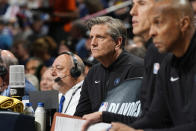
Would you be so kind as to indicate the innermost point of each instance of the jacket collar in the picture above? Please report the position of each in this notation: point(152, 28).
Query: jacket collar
point(121, 58)
point(188, 59)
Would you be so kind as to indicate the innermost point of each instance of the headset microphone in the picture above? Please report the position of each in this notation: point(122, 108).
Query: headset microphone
point(59, 78)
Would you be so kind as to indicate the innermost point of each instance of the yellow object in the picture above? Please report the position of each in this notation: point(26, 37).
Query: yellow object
point(11, 103)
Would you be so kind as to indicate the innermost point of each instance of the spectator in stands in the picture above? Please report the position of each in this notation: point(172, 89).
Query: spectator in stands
point(47, 80)
point(33, 80)
point(6, 39)
point(44, 48)
point(40, 70)
point(83, 10)
point(108, 36)
point(37, 29)
point(63, 12)
point(78, 34)
point(7, 59)
point(68, 71)
point(21, 50)
point(32, 65)
point(175, 87)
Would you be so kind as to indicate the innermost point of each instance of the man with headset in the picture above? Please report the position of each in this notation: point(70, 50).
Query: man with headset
point(68, 71)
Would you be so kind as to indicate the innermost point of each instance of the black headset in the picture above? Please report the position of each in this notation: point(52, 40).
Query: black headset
point(74, 71)
point(3, 70)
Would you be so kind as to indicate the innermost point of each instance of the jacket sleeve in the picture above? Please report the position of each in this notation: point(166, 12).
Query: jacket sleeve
point(84, 105)
point(112, 117)
point(185, 127)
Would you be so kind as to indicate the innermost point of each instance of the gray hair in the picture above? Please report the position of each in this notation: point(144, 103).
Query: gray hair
point(7, 61)
point(116, 27)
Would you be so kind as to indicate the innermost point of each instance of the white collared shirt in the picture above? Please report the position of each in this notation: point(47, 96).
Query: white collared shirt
point(71, 107)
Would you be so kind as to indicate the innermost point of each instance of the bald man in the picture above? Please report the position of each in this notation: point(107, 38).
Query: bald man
point(172, 29)
point(68, 71)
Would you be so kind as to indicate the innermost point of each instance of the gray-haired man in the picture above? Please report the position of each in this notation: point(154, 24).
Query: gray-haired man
point(108, 38)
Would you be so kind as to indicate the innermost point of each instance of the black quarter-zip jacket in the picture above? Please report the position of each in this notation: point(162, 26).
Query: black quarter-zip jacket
point(175, 97)
point(100, 79)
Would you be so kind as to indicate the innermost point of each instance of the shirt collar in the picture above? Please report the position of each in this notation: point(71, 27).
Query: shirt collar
point(75, 87)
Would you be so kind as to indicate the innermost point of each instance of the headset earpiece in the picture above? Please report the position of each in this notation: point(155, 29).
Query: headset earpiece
point(74, 71)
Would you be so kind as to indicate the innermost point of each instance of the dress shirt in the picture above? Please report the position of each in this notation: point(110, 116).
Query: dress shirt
point(70, 104)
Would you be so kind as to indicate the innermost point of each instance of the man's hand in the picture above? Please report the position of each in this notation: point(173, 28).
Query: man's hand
point(121, 127)
point(91, 119)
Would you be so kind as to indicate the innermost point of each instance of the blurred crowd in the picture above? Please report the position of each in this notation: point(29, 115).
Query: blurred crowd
point(36, 31)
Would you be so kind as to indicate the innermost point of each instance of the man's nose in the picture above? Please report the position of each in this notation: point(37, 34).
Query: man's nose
point(93, 42)
point(53, 72)
point(152, 32)
point(133, 10)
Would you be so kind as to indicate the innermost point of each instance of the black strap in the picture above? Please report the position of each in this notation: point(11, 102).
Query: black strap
point(72, 97)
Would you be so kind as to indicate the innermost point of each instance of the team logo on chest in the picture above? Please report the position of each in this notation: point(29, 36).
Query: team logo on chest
point(116, 81)
point(156, 68)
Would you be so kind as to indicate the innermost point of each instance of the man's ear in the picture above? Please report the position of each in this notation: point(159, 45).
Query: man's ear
point(119, 43)
point(185, 22)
